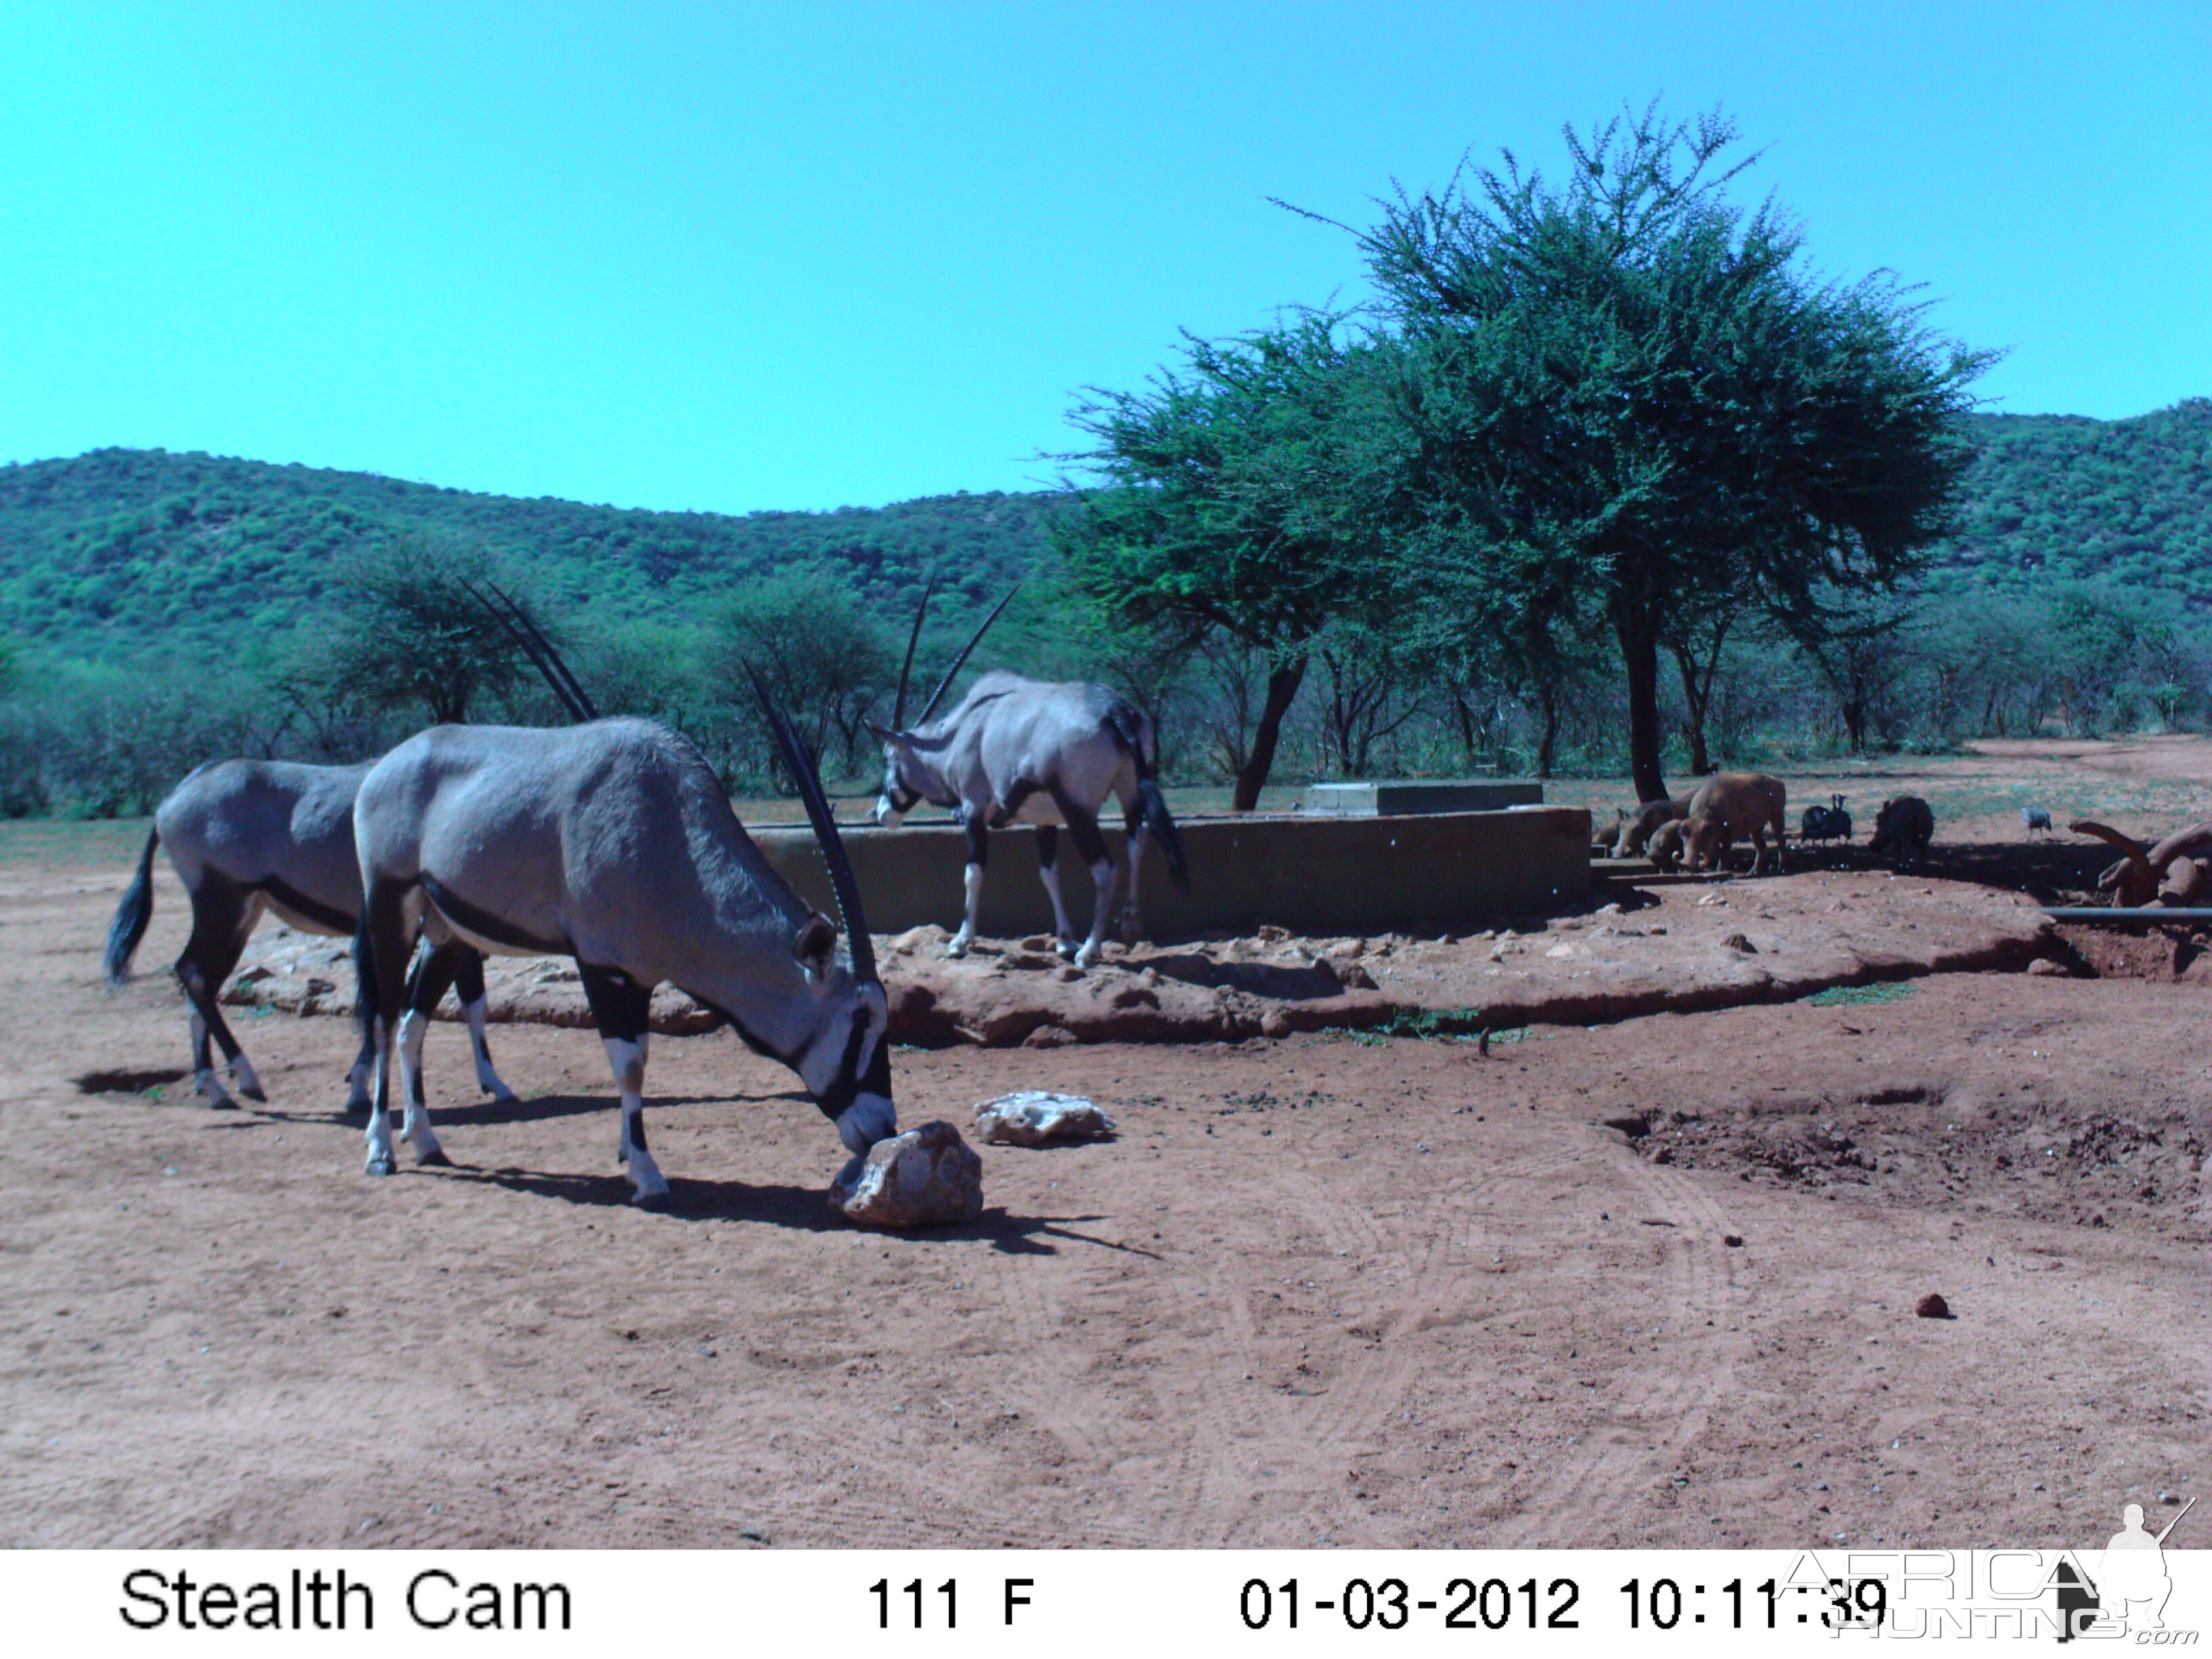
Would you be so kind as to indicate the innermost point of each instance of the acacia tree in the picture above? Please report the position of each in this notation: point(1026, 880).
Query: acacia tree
point(1237, 502)
point(825, 658)
point(1625, 381)
point(408, 633)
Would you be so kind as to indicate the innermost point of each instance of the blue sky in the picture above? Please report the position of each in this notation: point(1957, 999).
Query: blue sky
point(741, 257)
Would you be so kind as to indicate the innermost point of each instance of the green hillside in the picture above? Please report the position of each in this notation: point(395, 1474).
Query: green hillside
point(2061, 497)
point(118, 552)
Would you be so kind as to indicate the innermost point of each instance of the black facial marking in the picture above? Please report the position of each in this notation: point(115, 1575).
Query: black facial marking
point(846, 1087)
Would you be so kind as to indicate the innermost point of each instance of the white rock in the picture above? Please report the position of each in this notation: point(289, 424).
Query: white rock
point(1037, 1117)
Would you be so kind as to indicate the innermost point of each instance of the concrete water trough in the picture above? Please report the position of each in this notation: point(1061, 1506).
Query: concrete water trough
point(1320, 876)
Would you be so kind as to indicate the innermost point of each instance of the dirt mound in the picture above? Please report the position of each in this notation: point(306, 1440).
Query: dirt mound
point(1677, 948)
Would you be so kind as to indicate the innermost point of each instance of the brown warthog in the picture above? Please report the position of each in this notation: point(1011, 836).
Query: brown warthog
point(1665, 848)
point(1725, 809)
point(1635, 833)
point(1903, 830)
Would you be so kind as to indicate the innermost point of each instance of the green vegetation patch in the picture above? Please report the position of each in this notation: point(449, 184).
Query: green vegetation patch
point(1841, 995)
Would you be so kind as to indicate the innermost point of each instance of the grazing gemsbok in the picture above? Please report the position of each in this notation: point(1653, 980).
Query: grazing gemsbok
point(614, 843)
point(247, 835)
point(1037, 752)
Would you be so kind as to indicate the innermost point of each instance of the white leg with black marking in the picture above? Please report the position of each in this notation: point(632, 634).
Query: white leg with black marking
point(487, 1080)
point(958, 944)
point(243, 1074)
point(1048, 838)
point(207, 1083)
point(627, 1058)
point(1102, 878)
point(378, 1135)
point(415, 1130)
point(1133, 918)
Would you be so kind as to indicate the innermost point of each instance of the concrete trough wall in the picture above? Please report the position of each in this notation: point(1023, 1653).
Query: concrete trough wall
point(1316, 877)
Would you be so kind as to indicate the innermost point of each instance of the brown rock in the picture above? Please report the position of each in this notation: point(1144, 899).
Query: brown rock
point(1356, 977)
point(926, 1178)
point(1932, 1306)
point(1049, 1036)
point(1738, 942)
point(2048, 968)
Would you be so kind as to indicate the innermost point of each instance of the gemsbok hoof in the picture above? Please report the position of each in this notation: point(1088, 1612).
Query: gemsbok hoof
point(379, 1166)
point(434, 1159)
point(654, 1201)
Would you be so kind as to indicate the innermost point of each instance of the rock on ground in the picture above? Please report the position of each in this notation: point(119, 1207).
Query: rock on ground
point(926, 1178)
point(1038, 1117)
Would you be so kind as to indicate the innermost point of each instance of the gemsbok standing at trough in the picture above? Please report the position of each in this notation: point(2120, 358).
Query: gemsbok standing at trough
point(1032, 751)
point(614, 843)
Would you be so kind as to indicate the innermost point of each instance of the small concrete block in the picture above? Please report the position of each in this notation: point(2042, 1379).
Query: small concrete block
point(1037, 1117)
point(926, 1178)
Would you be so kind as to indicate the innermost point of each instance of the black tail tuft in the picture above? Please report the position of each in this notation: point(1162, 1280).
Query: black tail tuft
point(1155, 808)
point(132, 916)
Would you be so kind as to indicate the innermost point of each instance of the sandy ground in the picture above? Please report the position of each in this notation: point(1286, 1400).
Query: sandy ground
point(1649, 1281)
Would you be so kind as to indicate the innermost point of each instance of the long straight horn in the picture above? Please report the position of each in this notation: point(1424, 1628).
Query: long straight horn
point(961, 661)
point(846, 889)
point(539, 649)
point(898, 708)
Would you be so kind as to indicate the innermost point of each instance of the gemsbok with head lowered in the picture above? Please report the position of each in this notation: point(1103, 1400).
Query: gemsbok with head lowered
point(614, 843)
point(1016, 749)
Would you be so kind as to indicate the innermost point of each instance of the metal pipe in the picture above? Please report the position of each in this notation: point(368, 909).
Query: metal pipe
point(2115, 914)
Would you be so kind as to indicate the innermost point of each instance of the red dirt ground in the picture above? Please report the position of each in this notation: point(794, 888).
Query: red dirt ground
point(1329, 1288)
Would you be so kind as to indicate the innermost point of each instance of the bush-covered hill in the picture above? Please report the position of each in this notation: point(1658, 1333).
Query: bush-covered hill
point(121, 551)
point(2061, 497)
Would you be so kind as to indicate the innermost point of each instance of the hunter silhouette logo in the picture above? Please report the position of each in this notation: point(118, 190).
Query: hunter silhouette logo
point(2131, 1585)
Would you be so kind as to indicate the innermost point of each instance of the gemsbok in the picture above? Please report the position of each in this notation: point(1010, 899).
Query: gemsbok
point(614, 843)
point(247, 836)
point(1017, 749)
point(250, 836)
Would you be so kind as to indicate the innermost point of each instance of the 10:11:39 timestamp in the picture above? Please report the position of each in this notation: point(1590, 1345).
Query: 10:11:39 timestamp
point(1842, 1603)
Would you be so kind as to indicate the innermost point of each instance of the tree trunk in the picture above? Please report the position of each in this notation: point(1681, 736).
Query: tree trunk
point(1547, 747)
point(1283, 682)
point(1696, 699)
point(1639, 654)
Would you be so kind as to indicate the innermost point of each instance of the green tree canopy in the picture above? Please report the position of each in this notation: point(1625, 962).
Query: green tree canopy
point(1622, 388)
point(1239, 500)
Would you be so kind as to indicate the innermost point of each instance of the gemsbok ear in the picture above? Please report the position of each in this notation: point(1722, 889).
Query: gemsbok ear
point(815, 945)
point(883, 732)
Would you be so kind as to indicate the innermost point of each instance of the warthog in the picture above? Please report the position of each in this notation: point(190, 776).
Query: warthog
point(1826, 823)
point(1665, 848)
point(1903, 830)
point(1635, 831)
point(1727, 808)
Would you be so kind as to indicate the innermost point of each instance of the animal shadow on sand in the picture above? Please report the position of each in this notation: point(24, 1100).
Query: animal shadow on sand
point(801, 1209)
